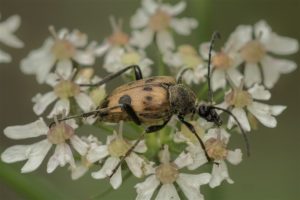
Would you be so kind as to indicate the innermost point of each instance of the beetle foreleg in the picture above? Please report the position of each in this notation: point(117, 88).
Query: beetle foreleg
point(137, 73)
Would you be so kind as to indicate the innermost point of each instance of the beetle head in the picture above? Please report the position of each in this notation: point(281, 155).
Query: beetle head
point(209, 114)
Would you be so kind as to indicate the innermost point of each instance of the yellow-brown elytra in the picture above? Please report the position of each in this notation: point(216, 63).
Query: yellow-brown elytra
point(153, 101)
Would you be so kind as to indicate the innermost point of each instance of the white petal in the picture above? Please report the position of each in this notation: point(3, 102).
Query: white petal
point(78, 171)
point(165, 41)
point(141, 147)
point(135, 164)
point(62, 106)
point(102, 49)
point(172, 59)
point(64, 68)
point(219, 173)
point(190, 184)
point(235, 157)
point(4, 57)
point(142, 38)
point(262, 31)
point(30, 130)
point(198, 156)
point(16, 153)
point(174, 10)
point(167, 191)
point(263, 113)
point(259, 92)
point(84, 102)
point(43, 102)
point(252, 74)
point(61, 157)
point(235, 75)
point(277, 110)
point(77, 38)
point(216, 133)
point(11, 40)
point(42, 71)
point(218, 79)
point(184, 26)
point(80, 146)
point(139, 19)
point(116, 179)
point(97, 153)
point(146, 189)
point(204, 50)
point(12, 23)
point(241, 35)
point(240, 114)
point(150, 6)
point(273, 67)
point(183, 160)
point(36, 155)
point(84, 57)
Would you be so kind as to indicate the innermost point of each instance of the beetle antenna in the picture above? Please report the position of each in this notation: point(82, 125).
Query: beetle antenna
point(181, 73)
point(216, 35)
point(240, 126)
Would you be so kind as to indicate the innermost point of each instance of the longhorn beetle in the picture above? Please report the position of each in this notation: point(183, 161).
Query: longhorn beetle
point(153, 101)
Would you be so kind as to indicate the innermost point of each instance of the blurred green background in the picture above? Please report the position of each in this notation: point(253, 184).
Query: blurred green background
point(271, 173)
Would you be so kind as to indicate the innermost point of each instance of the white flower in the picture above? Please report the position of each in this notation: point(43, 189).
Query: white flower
point(119, 53)
point(116, 147)
point(240, 100)
point(84, 165)
point(7, 37)
point(257, 52)
point(156, 19)
point(63, 91)
point(35, 153)
point(216, 141)
point(187, 57)
point(64, 48)
point(166, 174)
point(225, 61)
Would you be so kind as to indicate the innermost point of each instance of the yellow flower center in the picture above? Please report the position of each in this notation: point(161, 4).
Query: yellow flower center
point(222, 61)
point(118, 147)
point(189, 56)
point(239, 98)
point(59, 133)
point(97, 95)
point(189, 135)
point(159, 21)
point(167, 173)
point(118, 38)
point(131, 58)
point(253, 51)
point(66, 89)
point(216, 149)
point(63, 49)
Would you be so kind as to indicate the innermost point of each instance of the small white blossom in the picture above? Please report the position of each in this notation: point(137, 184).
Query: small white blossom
point(166, 174)
point(187, 57)
point(57, 135)
point(155, 19)
point(239, 100)
point(7, 37)
point(60, 51)
point(64, 88)
point(116, 147)
point(257, 52)
point(216, 141)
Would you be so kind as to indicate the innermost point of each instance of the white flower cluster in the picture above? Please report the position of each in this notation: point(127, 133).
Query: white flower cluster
point(64, 62)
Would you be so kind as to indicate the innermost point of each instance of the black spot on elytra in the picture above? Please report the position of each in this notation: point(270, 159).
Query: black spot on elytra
point(148, 98)
point(125, 99)
point(149, 80)
point(147, 88)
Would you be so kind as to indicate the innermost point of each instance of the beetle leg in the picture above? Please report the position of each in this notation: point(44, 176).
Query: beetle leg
point(137, 73)
point(155, 128)
point(130, 112)
point(192, 129)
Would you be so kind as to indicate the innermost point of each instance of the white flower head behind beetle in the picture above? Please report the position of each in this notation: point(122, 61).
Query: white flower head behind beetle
point(257, 52)
point(7, 37)
point(119, 53)
point(64, 88)
point(187, 57)
point(57, 135)
point(116, 147)
point(156, 19)
point(216, 141)
point(238, 100)
point(60, 51)
point(166, 174)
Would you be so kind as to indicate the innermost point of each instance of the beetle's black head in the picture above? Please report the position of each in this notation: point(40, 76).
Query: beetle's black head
point(209, 114)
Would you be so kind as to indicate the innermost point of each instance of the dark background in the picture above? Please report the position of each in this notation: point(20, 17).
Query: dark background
point(271, 173)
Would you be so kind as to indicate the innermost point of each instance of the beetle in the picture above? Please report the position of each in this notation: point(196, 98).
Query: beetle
point(153, 101)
